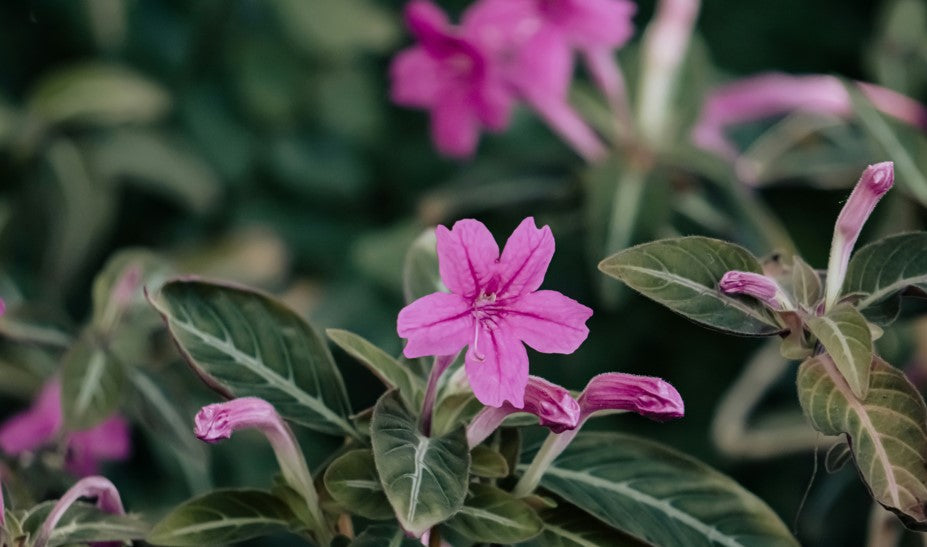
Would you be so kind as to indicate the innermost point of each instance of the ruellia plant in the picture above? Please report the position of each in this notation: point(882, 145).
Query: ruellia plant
point(827, 319)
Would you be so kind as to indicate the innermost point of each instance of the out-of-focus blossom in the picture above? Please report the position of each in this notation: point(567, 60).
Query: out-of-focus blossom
point(450, 75)
point(494, 307)
point(555, 408)
point(89, 487)
point(759, 286)
point(875, 181)
point(40, 424)
point(773, 94)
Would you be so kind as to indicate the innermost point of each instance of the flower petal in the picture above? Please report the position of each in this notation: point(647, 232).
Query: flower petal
point(502, 374)
point(415, 76)
point(436, 324)
point(108, 441)
point(549, 321)
point(455, 128)
point(36, 426)
point(524, 260)
point(594, 23)
point(467, 256)
point(545, 65)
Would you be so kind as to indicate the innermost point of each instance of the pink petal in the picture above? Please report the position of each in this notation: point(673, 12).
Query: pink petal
point(455, 127)
point(436, 324)
point(36, 426)
point(108, 441)
point(594, 23)
point(415, 78)
point(502, 374)
point(545, 65)
point(427, 22)
point(548, 321)
point(524, 260)
point(467, 256)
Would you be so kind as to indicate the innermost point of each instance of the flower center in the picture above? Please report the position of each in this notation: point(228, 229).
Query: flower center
point(484, 312)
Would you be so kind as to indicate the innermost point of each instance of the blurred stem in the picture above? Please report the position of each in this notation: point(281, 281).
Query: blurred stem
point(431, 392)
point(606, 72)
point(553, 446)
point(752, 165)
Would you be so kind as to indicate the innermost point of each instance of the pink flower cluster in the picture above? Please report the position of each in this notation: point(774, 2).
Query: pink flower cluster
point(504, 51)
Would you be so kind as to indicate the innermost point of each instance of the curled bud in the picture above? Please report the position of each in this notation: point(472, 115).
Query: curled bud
point(763, 288)
point(89, 487)
point(645, 395)
point(875, 181)
point(555, 408)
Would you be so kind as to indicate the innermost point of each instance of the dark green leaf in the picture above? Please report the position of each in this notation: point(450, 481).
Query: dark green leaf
point(844, 333)
point(383, 535)
point(222, 517)
point(425, 478)
point(454, 411)
point(683, 275)
point(420, 274)
point(487, 463)
point(243, 343)
point(494, 516)
point(659, 495)
point(353, 482)
point(887, 431)
point(567, 526)
point(83, 523)
point(390, 371)
point(806, 283)
point(882, 270)
point(837, 456)
point(92, 384)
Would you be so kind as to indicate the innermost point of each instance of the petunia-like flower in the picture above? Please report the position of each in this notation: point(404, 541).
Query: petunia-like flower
point(875, 181)
point(450, 75)
point(40, 424)
point(772, 94)
point(759, 286)
point(493, 307)
point(555, 408)
point(100, 488)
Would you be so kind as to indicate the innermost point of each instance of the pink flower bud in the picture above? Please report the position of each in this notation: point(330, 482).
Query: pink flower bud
point(764, 289)
point(555, 408)
point(875, 181)
point(89, 487)
point(645, 395)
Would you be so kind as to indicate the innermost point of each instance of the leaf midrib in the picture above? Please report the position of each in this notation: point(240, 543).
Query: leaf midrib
point(223, 523)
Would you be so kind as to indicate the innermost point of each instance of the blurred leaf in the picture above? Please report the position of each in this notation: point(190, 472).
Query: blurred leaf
point(118, 289)
point(492, 515)
point(380, 253)
point(844, 333)
point(320, 170)
point(92, 384)
point(887, 431)
point(84, 523)
point(224, 141)
point(153, 162)
point(883, 270)
point(337, 27)
point(222, 517)
point(900, 49)
point(382, 534)
point(837, 456)
point(425, 478)
point(98, 93)
point(353, 482)
point(349, 101)
point(267, 83)
point(243, 343)
point(420, 275)
point(251, 255)
point(487, 463)
point(391, 372)
point(31, 329)
point(683, 275)
point(567, 526)
point(660, 495)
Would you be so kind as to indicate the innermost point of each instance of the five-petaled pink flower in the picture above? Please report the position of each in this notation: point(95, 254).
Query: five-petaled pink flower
point(493, 307)
point(40, 424)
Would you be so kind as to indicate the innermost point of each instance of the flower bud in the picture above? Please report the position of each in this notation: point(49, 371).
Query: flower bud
point(759, 286)
point(89, 487)
point(645, 395)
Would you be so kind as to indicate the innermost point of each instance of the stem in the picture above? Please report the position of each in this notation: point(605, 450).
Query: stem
point(608, 77)
point(553, 446)
point(564, 121)
point(431, 392)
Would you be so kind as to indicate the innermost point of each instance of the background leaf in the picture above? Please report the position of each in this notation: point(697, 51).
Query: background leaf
point(353, 482)
point(659, 495)
point(92, 384)
point(882, 270)
point(247, 344)
point(222, 517)
point(390, 371)
point(382, 535)
point(845, 335)
point(683, 275)
point(567, 526)
point(84, 523)
point(492, 515)
point(425, 478)
point(420, 273)
point(887, 431)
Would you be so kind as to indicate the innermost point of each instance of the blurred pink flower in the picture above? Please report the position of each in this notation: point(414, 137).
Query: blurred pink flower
point(773, 94)
point(41, 423)
point(450, 75)
point(493, 307)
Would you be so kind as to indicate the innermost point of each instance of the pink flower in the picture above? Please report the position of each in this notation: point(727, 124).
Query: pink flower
point(555, 408)
point(773, 94)
point(494, 306)
point(450, 75)
point(90, 487)
point(648, 396)
point(759, 286)
point(40, 424)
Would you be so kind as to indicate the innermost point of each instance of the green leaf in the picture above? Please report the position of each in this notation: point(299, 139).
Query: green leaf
point(84, 523)
point(420, 274)
point(92, 384)
point(383, 535)
point(98, 93)
point(567, 526)
point(221, 517)
point(887, 431)
point(659, 495)
point(883, 270)
point(390, 371)
point(806, 283)
point(243, 343)
point(425, 478)
point(492, 515)
point(353, 482)
point(454, 411)
point(844, 333)
point(683, 275)
point(487, 463)
point(134, 269)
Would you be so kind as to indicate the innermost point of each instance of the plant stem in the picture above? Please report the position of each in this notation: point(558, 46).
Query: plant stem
point(552, 447)
point(431, 392)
